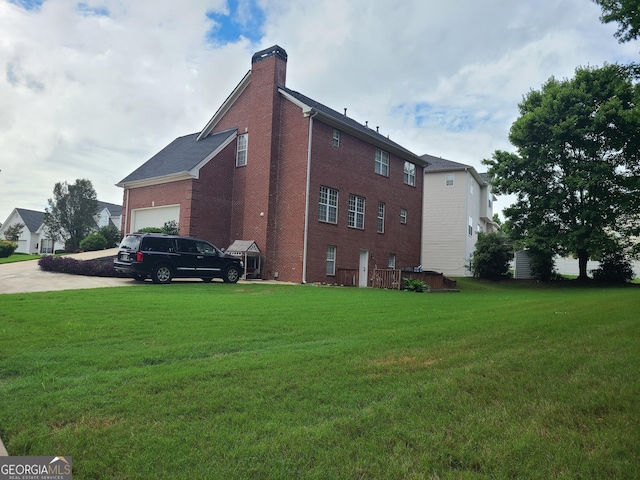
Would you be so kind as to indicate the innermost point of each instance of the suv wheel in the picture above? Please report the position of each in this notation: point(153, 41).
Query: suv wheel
point(231, 274)
point(162, 274)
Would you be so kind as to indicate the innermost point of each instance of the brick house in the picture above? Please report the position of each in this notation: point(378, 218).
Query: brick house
point(314, 190)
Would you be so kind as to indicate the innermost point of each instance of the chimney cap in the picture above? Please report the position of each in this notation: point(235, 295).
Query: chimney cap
point(275, 51)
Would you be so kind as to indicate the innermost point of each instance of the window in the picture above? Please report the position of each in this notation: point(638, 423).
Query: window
point(410, 174)
point(392, 260)
point(336, 137)
point(47, 246)
point(331, 260)
point(490, 204)
point(381, 208)
point(470, 226)
point(241, 155)
point(403, 215)
point(448, 181)
point(356, 211)
point(382, 163)
point(328, 205)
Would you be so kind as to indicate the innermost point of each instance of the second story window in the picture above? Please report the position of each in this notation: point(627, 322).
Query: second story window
point(336, 137)
point(356, 211)
point(381, 208)
point(382, 163)
point(410, 174)
point(241, 154)
point(328, 205)
point(403, 215)
point(448, 181)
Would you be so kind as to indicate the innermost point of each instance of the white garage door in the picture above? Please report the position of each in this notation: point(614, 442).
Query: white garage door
point(154, 217)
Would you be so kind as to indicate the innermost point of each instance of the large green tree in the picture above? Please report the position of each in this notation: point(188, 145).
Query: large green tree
point(71, 212)
point(576, 172)
point(626, 13)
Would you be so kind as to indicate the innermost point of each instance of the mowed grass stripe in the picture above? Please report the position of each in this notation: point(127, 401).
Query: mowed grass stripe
point(269, 381)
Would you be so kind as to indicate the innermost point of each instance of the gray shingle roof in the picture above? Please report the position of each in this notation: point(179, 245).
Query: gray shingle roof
point(114, 209)
point(347, 121)
point(31, 218)
point(181, 155)
point(438, 164)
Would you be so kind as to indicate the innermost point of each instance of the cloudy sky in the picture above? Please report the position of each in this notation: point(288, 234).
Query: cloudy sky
point(93, 89)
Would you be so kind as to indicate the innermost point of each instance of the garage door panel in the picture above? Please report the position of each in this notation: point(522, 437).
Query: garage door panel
point(154, 217)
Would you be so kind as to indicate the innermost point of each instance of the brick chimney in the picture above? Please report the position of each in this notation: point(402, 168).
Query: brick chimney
point(268, 72)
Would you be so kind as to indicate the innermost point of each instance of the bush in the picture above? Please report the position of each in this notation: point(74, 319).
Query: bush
point(170, 228)
point(415, 285)
point(543, 265)
point(7, 248)
point(491, 257)
point(92, 242)
point(150, 230)
point(112, 234)
point(615, 267)
point(99, 267)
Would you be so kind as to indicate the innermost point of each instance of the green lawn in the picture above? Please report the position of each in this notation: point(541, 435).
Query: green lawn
point(18, 257)
point(195, 380)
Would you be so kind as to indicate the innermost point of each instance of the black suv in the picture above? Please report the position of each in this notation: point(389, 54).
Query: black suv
point(163, 257)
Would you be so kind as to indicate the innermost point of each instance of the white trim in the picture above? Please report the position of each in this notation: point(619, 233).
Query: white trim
point(195, 171)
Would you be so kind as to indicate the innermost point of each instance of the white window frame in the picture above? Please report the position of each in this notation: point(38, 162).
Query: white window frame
point(449, 179)
point(356, 211)
point(331, 260)
point(241, 151)
point(381, 210)
point(392, 261)
point(410, 174)
point(382, 163)
point(470, 228)
point(328, 205)
point(336, 137)
point(403, 215)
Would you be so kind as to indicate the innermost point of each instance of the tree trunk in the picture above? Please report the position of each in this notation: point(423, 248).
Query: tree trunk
point(583, 258)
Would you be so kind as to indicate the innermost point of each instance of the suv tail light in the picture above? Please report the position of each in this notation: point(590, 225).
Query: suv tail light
point(139, 256)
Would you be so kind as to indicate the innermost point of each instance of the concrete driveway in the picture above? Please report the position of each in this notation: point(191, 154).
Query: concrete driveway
point(21, 277)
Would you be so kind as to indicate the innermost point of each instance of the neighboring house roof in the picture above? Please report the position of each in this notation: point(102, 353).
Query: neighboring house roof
point(181, 158)
point(31, 218)
point(343, 122)
point(114, 210)
point(439, 164)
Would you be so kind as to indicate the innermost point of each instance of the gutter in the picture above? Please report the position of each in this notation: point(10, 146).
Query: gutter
point(306, 206)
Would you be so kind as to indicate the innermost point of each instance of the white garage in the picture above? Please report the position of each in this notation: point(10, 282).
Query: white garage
point(154, 216)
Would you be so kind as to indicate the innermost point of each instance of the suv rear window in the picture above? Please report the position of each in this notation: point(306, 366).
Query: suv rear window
point(130, 242)
point(157, 244)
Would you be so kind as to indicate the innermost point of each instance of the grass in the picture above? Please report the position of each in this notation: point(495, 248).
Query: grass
point(18, 257)
point(274, 381)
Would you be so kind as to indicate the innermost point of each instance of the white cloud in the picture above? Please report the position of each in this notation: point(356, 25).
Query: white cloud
point(93, 92)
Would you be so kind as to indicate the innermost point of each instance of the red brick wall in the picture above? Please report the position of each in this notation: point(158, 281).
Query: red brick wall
point(349, 168)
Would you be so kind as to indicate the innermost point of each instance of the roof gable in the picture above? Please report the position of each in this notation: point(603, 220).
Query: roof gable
point(182, 157)
point(31, 218)
point(439, 164)
point(114, 210)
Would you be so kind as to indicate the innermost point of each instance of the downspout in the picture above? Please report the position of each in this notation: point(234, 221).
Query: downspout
point(306, 207)
point(126, 214)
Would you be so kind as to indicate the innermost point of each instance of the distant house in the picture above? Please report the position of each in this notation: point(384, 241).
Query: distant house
point(316, 193)
point(457, 204)
point(34, 238)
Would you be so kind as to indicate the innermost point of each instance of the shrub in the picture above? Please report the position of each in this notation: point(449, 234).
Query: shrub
point(543, 265)
point(150, 230)
point(491, 257)
point(170, 228)
point(112, 234)
point(7, 248)
point(415, 285)
point(92, 242)
point(99, 267)
point(615, 267)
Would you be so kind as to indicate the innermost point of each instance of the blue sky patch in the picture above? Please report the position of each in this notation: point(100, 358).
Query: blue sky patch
point(245, 19)
point(88, 11)
point(28, 4)
point(452, 119)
